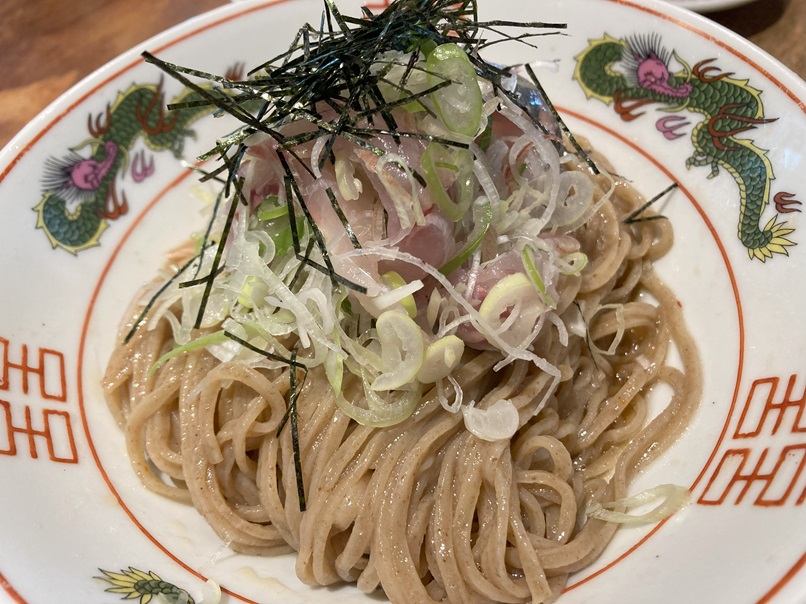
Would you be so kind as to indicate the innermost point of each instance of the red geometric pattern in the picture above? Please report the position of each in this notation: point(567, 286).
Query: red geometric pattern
point(49, 371)
point(769, 474)
point(771, 408)
point(29, 427)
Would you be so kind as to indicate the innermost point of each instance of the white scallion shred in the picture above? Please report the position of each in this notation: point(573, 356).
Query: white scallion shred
point(672, 498)
point(620, 328)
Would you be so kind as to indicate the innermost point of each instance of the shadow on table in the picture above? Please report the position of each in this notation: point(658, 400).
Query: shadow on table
point(751, 18)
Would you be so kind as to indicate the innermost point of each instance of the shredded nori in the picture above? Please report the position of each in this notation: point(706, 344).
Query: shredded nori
point(142, 316)
point(635, 216)
point(291, 413)
point(342, 218)
point(332, 68)
point(559, 119)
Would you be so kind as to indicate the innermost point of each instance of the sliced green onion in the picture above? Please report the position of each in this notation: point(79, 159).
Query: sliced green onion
point(394, 281)
point(402, 350)
point(395, 91)
point(440, 359)
point(273, 215)
point(203, 342)
point(282, 234)
point(486, 137)
point(460, 104)
point(270, 210)
point(572, 264)
point(247, 297)
point(427, 47)
point(515, 302)
point(535, 278)
point(460, 162)
point(388, 411)
point(482, 217)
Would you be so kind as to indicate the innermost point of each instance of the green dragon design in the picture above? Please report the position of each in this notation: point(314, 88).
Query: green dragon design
point(133, 584)
point(81, 194)
point(635, 72)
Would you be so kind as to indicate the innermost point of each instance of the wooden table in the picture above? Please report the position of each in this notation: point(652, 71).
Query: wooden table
point(46, 46)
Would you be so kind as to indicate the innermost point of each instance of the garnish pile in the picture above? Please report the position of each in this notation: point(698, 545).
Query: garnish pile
point(391, 203)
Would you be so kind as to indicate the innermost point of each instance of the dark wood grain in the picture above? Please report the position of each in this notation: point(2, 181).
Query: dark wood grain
point(777, 26)
point(46, 46)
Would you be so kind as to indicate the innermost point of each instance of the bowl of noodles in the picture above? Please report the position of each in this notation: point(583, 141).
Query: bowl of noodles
point(410, 302)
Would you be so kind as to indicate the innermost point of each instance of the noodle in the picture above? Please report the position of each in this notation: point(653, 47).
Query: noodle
point(426, 342)
point(423, 509)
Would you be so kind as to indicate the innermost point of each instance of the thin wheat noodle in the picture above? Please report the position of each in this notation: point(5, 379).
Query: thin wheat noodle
point(424, 509)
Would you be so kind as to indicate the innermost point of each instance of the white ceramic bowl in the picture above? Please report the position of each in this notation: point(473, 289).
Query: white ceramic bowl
point(71, 504)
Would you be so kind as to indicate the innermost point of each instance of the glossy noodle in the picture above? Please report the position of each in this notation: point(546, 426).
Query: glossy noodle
point(424, 508)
